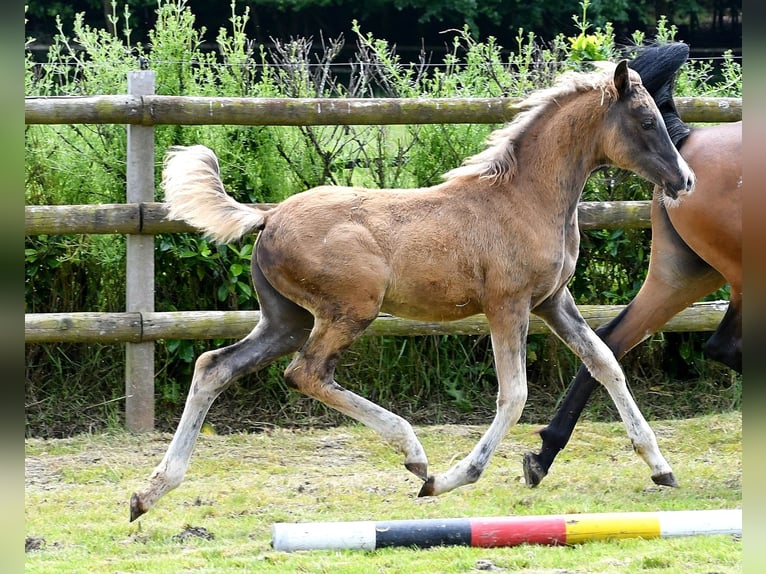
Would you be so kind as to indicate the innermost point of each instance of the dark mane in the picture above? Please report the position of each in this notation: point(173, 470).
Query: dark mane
point(658, 64)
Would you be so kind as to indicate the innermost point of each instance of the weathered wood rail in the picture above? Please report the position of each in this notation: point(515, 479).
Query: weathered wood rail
point(140, 218)
point(144, 327)
point(151, 110)
point(150, 218)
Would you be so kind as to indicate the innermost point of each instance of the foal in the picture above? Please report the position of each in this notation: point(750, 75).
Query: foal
point(499, 236)
point(696, 248)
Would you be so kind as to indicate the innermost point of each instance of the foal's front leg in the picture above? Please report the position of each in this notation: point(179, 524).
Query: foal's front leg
point(563, 317)
point(508, 330)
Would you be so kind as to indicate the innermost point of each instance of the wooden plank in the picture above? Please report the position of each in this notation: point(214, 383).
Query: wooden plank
point(709, 110)
point(92, 219)
point(149, 218)
point(614, 214)
point(82, 327)
point(151, 110)
point(199, 325)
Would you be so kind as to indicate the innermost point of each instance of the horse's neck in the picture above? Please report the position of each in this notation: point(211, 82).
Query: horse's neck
point(561, 149)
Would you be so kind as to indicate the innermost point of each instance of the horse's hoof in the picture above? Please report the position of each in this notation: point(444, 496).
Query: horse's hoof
point(419, 469)
point(665, 479)
point(428, 487)
point(136, 507)
point(534, 473)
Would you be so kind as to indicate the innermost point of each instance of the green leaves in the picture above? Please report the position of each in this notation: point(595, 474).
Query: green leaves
point(592, 47)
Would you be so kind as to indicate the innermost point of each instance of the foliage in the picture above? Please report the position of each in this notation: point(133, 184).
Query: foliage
point(591, 47)
point(413, 21)
point(73, 164)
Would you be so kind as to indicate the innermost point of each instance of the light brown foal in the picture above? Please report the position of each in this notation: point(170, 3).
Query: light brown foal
point(498, 236)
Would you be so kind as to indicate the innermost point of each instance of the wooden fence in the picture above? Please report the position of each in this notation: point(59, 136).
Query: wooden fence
point(140, 218)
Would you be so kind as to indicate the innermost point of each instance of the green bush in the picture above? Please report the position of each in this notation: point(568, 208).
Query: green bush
point(70, 388)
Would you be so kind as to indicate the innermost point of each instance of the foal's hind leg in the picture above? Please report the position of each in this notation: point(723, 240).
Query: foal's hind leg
point(312, 370)
point(283, 328)
point(562, 315)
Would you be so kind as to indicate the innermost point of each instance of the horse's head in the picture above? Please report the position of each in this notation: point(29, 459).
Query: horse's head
point(638, 139)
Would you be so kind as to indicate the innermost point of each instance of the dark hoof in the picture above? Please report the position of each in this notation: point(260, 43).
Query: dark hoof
point(419, 469)
point(534, 473)
point(428, 487)
point(666, 479)
point(136, 508)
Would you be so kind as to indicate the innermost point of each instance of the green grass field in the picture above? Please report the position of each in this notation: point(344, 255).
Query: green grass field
point(220, 518)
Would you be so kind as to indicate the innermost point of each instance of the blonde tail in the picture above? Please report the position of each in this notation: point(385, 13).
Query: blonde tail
point(194, 193)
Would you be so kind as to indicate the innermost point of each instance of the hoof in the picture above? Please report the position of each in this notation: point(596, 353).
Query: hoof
point(419, 469)
point(428, 487)
point(534, 473)
point(665, 479)
point(136, 507)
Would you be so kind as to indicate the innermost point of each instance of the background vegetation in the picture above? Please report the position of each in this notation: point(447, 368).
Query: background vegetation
point(412, 23)
point(71, 388)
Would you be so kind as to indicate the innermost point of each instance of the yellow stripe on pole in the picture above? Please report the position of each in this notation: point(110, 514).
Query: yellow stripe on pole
point(603, 526)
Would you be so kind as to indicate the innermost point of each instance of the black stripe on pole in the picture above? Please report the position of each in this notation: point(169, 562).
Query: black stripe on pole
point(423, 533)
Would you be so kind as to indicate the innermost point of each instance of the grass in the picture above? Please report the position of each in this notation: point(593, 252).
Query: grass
point(219, 519)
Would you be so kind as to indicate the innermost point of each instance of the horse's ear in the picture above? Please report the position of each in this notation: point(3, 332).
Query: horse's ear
point(622, 78)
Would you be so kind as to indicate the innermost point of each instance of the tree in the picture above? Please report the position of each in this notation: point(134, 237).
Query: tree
point(409, 22)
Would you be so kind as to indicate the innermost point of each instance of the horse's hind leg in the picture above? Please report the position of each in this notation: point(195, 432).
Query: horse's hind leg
point(312, 373)
point(725, 345)
point(282, 329)
point(562, 315)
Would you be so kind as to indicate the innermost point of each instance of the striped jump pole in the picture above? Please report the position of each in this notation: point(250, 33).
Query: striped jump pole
point(502, 531)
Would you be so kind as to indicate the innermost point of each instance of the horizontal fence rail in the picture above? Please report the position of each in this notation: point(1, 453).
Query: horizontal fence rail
point(189, 110)
point(140, 217)
point(198, 325)
point(150, 218)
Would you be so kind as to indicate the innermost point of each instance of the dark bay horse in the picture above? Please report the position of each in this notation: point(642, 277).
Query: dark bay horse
point(696, 248)
point(498, 236)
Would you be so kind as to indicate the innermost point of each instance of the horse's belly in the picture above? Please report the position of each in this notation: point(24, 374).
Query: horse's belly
point(711, 225)
point(436, 313)
point(430, 301)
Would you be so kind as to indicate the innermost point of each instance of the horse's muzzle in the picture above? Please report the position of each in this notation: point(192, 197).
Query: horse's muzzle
point(674, 190)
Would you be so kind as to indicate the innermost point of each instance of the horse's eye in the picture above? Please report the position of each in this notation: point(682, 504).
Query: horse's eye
point(648, 124)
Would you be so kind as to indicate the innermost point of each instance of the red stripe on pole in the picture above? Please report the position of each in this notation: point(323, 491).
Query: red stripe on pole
point(515, 530)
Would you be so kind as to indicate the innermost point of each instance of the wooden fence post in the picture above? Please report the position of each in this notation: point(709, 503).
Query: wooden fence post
point(139, 357)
